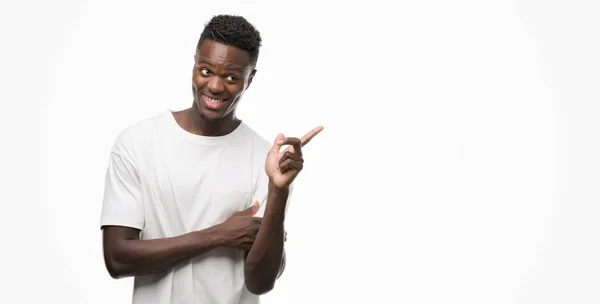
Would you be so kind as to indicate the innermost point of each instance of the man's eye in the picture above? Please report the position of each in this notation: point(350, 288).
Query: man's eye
point(204, 72)
point(231, 78)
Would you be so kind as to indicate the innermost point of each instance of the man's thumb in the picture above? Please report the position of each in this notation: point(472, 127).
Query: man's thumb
point(250, 211)
point(277, 144)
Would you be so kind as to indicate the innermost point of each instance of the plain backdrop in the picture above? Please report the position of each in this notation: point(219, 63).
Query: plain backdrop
point(460, 161)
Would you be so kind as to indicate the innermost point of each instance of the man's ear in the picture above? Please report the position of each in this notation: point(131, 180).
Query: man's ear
point(251, 77)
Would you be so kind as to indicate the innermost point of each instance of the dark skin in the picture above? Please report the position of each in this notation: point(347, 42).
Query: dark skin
point(221, 74)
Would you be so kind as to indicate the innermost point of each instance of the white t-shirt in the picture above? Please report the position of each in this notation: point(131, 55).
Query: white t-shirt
point(168, 182)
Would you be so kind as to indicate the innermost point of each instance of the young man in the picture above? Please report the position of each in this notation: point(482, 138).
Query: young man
point(195, 201)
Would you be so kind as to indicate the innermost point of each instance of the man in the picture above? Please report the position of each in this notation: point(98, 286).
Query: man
point(195, 200)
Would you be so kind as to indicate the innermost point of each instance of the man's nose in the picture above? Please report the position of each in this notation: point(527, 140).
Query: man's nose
point(215, 85)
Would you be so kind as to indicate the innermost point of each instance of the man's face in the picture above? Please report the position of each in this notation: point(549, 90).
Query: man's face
point(221, 75)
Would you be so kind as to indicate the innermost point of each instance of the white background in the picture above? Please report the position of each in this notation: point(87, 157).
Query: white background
point(460, 161)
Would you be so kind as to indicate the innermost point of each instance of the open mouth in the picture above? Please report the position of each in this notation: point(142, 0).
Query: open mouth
point(213, 103)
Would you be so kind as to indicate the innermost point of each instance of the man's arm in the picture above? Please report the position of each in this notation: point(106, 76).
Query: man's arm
point(266, 259)
point(126, 255)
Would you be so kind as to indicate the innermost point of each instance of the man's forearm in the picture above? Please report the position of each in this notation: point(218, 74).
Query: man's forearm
point(134, 257)
point(264, 260)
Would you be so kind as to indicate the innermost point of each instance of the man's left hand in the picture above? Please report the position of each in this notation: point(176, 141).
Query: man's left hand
point(282, 167)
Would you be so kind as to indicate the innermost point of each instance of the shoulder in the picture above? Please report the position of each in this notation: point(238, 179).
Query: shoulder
point(134, 135)
point(259, 142)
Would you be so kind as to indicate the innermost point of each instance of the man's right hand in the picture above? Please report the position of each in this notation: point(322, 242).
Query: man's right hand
point(240, 229)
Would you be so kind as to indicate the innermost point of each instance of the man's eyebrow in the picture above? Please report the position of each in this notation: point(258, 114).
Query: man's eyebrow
point(235, 68)
point(229, 67)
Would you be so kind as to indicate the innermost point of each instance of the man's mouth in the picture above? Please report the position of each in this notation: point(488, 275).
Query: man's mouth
point(212, 103)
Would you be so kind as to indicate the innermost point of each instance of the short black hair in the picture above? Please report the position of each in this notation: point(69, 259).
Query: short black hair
point(234, 31)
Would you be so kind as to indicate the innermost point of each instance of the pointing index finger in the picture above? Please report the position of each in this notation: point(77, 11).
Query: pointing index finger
point(309, 136)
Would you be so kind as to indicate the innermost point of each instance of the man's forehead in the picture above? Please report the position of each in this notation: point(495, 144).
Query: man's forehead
point(218, 53)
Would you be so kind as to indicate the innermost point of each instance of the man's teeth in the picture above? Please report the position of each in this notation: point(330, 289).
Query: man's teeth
point(214, 101)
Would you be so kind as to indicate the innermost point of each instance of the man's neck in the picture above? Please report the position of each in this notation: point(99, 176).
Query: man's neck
point(193, 122)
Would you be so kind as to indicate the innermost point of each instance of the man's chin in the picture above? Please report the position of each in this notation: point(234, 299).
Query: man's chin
point(210, 117)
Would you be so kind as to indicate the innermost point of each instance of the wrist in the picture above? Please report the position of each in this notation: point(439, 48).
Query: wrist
point(215, 235)
point(277, 189)
point(276, 204)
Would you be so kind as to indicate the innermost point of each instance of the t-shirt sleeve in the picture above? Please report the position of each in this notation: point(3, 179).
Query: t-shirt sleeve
point(122, 205)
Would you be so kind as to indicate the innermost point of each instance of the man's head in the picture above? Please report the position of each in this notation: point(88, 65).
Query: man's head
point(225, 63)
